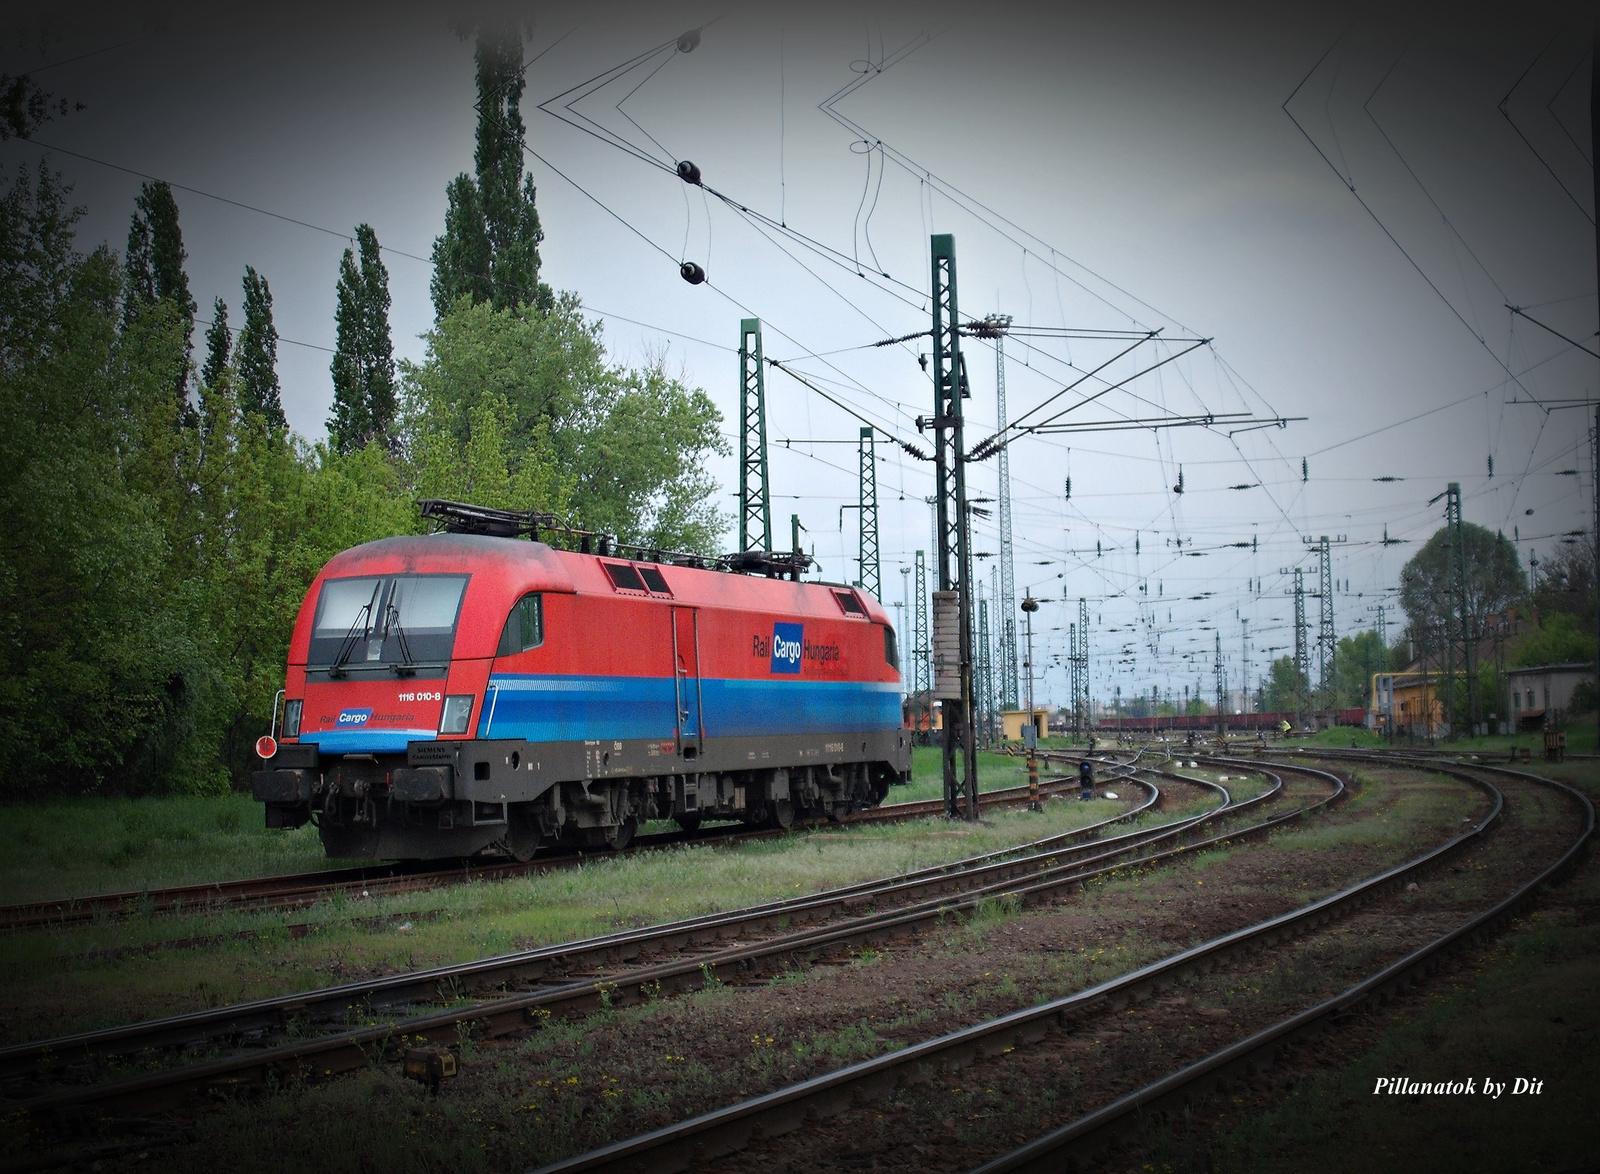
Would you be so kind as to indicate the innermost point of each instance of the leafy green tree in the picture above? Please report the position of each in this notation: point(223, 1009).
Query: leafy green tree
point(1564, 582)
point(1559, 639)
point(98, 668)
point(616, 450)
point(257, 355)
point(490, 247)
point(219, 345)
point(1357, 658)
point(1494, 580)
point(154, 266)
point(1285, 688)
point(641, 467)
point(363, 360)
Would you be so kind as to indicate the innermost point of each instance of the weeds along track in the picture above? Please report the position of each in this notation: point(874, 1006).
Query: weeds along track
point(1531, 833)
point(568, 979)
point(303, 889)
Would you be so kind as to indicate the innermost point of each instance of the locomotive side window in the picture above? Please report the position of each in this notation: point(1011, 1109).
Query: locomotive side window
point(624, 577)
point(891, 651)
point(848, 601)
point(655, 580)
point(524, 626)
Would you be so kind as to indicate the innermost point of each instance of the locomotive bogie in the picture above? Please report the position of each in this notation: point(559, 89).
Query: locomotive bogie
point(506, 798)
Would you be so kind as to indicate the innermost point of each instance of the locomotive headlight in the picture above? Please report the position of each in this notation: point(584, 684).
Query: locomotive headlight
point(457, 712)
point(291, 718)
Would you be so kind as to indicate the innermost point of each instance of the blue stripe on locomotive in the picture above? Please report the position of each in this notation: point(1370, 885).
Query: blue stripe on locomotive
point(365, 741)
point(540, 708)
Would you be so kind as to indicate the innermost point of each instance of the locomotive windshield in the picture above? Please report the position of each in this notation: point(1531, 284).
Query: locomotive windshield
point(391, 622)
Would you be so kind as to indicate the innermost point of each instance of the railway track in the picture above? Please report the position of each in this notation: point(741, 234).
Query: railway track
point(729, 1129)
point(1181, 1090)
point(301, 890)
point(569, 979)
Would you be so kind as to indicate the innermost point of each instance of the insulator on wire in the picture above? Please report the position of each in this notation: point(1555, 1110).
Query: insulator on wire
point(688, 172)
point(692, 273)
point(689, 41)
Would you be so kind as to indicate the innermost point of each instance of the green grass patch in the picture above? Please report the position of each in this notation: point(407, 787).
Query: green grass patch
point(995, 773)
point(80, 847)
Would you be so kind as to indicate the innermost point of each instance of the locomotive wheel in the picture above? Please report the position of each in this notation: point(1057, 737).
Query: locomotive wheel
point(782, 814)
point(688, 821)
point(624, 834)
point(522, 835)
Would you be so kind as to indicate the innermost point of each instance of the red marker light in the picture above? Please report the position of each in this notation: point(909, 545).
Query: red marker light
point(266, 746)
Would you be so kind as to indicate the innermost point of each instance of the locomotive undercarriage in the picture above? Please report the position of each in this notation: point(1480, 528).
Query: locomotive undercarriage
point(508, 798)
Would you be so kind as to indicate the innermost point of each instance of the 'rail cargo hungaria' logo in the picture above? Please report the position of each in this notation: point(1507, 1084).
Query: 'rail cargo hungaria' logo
point(352, 717)
point(787, 642)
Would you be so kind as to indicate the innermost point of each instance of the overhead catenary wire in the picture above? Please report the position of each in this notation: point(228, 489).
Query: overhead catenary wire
point(194, 191)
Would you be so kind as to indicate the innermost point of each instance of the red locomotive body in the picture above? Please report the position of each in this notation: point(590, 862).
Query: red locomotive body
point(455, 693)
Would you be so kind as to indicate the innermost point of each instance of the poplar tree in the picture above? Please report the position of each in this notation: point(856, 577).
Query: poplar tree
point(490, 247)
point(363, 359)
point(257, 355)
point(154, 272)
point(219, 345)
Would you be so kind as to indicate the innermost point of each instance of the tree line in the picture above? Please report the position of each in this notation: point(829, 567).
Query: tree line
point(1561, 595)
point(163, 522)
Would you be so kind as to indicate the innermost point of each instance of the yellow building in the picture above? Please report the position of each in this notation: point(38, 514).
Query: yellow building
point(1408, 700)
point(1012, 721)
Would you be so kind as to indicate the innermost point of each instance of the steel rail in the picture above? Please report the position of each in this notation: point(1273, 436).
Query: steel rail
point(725, 1130)
point(1046, 1154)
point(516, 1013)
point(532, 965)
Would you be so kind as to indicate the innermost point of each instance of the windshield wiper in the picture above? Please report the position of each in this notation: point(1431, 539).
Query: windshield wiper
point(357, 630)
point(391, 623)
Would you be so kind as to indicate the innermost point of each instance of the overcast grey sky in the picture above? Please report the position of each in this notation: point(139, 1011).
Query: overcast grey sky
point(1103, 168)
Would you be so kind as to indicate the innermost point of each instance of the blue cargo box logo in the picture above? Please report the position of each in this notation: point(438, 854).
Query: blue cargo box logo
point(353, 717)
point(787, 642)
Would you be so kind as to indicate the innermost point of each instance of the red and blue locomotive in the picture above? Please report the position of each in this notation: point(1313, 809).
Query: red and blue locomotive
point(471, 691)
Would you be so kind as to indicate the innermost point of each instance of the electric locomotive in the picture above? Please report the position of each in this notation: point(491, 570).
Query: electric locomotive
point(478, 692)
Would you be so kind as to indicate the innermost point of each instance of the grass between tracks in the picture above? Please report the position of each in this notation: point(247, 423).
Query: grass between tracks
point(75, 978)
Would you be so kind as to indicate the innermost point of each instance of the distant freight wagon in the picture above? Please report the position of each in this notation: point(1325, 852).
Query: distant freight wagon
point(1238, 722)
point(472, 692)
